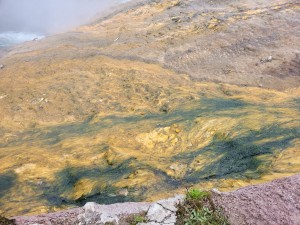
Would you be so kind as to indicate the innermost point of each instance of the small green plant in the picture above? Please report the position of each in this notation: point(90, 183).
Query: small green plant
point(134, 220)
point(196, 194)
point(199, 209)
point(204, 216)
point(139, 219)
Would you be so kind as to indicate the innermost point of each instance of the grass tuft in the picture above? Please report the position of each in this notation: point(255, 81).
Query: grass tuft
point(136, 219)
point(139, 219)
point(196, 194)
point(199, 209)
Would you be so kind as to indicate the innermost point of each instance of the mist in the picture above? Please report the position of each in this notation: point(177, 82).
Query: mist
point(48, 16)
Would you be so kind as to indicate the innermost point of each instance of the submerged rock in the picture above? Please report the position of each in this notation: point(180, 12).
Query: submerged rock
point(178, 170)
point(165, 108)
point(123, 192)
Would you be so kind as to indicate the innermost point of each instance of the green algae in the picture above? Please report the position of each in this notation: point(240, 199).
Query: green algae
point(7, 181)
point(238, 157)
point(239, 153)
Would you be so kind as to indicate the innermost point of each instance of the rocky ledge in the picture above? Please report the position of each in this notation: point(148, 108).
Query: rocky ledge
point(277, 202)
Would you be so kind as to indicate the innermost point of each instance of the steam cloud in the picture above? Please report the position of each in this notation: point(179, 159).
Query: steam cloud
point(48, 16)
